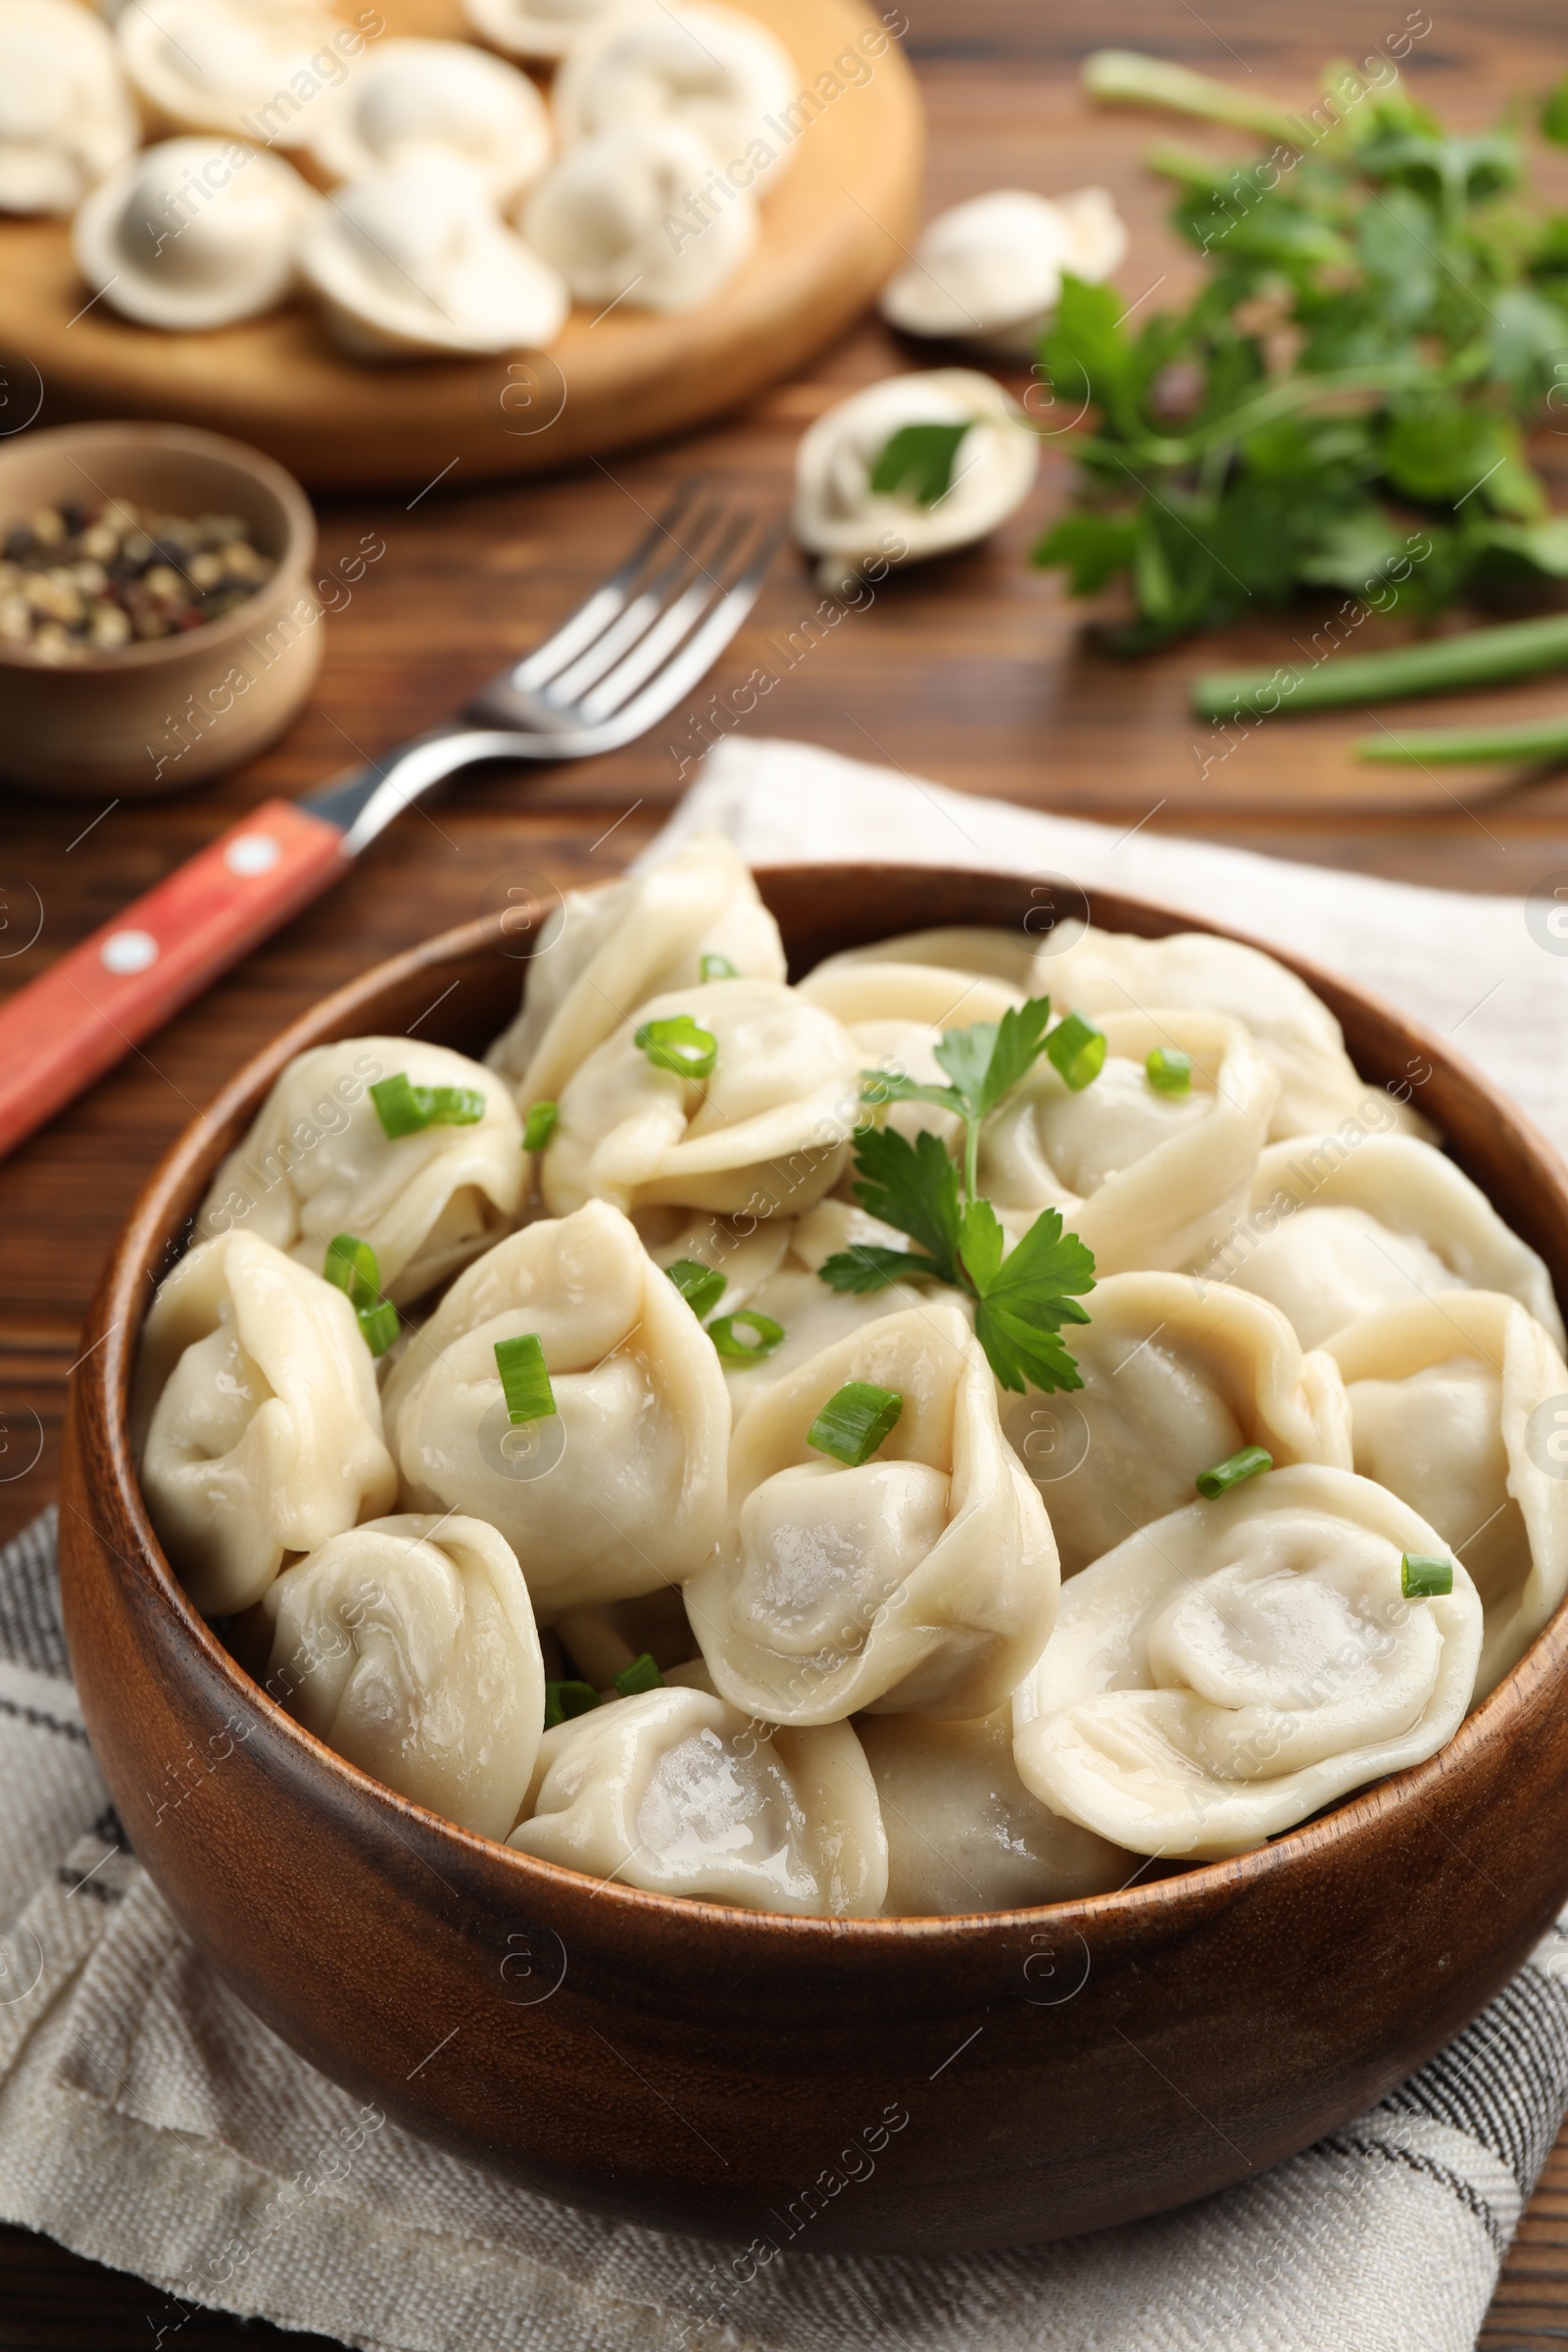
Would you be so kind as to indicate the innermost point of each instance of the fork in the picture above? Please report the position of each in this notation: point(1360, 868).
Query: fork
point(616, 667)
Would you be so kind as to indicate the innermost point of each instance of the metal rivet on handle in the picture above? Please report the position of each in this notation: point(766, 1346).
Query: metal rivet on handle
point(251, 854)
point(125, 951)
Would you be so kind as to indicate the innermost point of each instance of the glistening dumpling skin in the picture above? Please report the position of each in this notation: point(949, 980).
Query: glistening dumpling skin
point(408, 1645)
point(1456, 1403)
point(923, 1581)
point(1235, 1666)
point(622, 1489)
point(256, 1420)
point(317, 1161)
point(678, 1794)
point(67, 115)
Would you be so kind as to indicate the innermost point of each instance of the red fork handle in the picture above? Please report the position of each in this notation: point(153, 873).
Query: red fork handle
point(66, 1028)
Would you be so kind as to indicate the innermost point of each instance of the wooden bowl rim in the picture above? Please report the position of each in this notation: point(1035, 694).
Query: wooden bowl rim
point(104, 1376)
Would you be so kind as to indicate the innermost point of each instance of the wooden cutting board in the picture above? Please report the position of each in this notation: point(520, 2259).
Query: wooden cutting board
point(832, 232)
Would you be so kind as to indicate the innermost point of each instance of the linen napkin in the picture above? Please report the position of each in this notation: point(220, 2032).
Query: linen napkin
point(148, 2121)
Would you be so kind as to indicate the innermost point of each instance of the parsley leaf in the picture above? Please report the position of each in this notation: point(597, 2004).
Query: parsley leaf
point(1025, 1298)
point(915, 1189)
point(919, 460)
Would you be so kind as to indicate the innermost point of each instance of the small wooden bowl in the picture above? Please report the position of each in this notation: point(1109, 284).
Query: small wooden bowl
point(892, 2086)
point(160, 716)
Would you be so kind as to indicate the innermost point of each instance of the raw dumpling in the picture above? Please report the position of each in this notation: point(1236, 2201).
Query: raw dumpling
point(622, 1489)
point(235, 66)
point(318, 1162)
point(719, 72)
point(1341, 1225)
point(765, 1133)
point(988, 272)
point(963, 1833)
point(839, 516)
point(603, 216)
point(675, 1793)
point(1444, 1396)
point(1176, 1379)
point(195, 234)
point(923, 1581)
point(65, 116)
point(416, 261)
point(411, 99)
point(1157, 1177)
point(255, 1424)
point(1230, 1669)
point(535, 28)
point(409, 1646)
point(604, 953)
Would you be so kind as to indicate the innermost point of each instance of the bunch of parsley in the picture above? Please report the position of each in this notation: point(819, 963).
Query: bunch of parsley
point(1340, 406)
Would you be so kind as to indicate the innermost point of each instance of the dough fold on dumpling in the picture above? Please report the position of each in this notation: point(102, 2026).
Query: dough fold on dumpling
point(230, 66)
point(603, 953)
point(602, 216)
point(1443, 1392)
point(934, 995)
point(1235, 1666)
point(923, 1581)
point(709, 66)
point(1176, 1379)
point(408, 1645)
point(622, 1489)
point(194, 234)
point(408, 99)
point(678, 1794)
point(256, 1420)
point(317, 1161)
point(963, 1833)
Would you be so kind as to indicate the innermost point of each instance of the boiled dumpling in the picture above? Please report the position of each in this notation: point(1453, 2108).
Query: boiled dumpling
point(257, 1424)
point(840, 517)
point(623, 1487)
point(65, 115)
point(763, 1131)
point(990, 270)
point(409, 1646)
point(535, 28)
point(1157, 1177)
point(1341, 1225)
point(411, 99)
point(1446, 1399)
point(930, 996)
point(195, 234)
point(604, 953)
point(1176, 1381)
point(963, 1833)
point(719, 72)
point(1007, 957)
point(1233, 1666)
point(319, 1161)
point(416, 261)
point(237, 66)
point(678, 1794)
point(923, 1580)
point(602, 218)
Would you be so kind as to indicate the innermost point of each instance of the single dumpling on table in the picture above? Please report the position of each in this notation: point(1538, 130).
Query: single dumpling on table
point(678, 1794)
point(963, 1833)
point(408, 1646)
point(408, 99)
point(610, 1479)
point(1232, 1668)
point(255, 1420)
point(66, 117)
point(183, 235)
point(246, 67)
point(883, 1548)
point(989, 270)
point(719, 72)
point(602, 217)
point(1456, 1405)
point(1341, 1225)
point(601, 954)
point(1176, 1381)
point(409, 1148)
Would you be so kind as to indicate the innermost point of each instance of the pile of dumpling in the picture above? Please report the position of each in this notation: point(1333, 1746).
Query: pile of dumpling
point(502, 1417)
point(463, 211)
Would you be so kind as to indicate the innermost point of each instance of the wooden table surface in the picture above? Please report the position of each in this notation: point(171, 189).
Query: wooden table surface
point(973, 671)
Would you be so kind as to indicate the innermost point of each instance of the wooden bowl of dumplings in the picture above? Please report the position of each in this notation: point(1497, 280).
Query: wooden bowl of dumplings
point(1269, 1882)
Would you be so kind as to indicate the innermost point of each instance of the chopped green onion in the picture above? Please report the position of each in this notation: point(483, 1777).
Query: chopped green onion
point(1522, 649)
point(1076, 1050)
point(726, 1337)
point(853, 1423)
point(718, 967)
point(563, 1700)
point(351, 1266)
point(641, 1675)
point(403, 1108)
point(1246, 1464)
point(1169, 1071)
point(540, 1126)
point(1127, 78)
point(701, 1287)
point(1422, 1578)
point(679, 1044)
point(524, 1380)
point(1457, 746)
